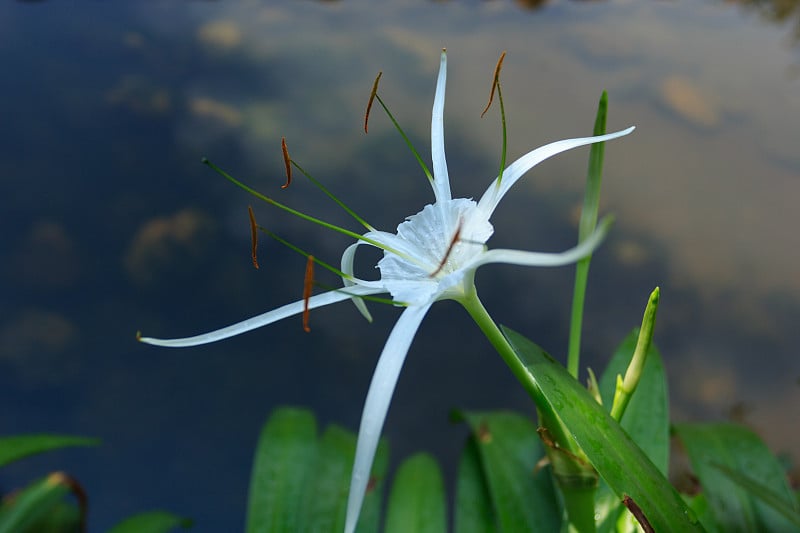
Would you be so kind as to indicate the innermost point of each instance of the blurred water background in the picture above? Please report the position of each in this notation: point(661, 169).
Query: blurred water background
point(110, 224)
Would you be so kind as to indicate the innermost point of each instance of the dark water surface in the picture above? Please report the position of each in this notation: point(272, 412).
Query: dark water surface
point(111, 224)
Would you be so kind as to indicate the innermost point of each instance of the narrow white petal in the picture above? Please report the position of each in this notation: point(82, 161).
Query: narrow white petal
point(441, 180)
point(540, 259)
point(377, 404)
point(347, 267)
point(518, 168)
point(264, 319)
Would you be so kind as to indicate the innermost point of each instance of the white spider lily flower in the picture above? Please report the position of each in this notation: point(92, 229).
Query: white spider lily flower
point(433, 256)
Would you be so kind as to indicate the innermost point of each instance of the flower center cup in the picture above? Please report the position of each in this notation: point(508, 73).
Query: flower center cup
point(439, 243)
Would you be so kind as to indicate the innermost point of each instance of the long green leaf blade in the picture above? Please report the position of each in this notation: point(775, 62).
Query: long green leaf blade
point(326, 489)
point(735, 447)
point(285, 453)
point(151, 522)
point(764, 493)
point(417, 500)
point(26, 510)
point(622, 464)
point(325, 497)
point(522, 495)
point(17, 447)
point(587, 224)
point(473, 511)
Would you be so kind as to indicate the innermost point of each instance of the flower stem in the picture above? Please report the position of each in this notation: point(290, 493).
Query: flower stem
point(575, 476)
point(481, 316)
point(548, 418)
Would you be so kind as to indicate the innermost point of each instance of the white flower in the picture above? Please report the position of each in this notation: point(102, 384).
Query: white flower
point(433, 256)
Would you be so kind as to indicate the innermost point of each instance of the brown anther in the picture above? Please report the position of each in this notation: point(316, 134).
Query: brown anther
point(286, 161)
point(449, 250)
point(495, 82)
point(253, 236)
point(307, 286)
point(637, 513)
point(371, 99)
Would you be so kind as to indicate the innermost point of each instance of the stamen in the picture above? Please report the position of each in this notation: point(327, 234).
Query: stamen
point(495, 82)
point(304, 216)
point(330, 195)
point(286, 161)
point(371, 99)
point(496, 85)
point(449, 250)
point(308, 285)
point(253, 236)
point(405, 138)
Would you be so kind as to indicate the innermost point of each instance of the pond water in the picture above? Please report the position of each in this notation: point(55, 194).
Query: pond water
point(111, 224)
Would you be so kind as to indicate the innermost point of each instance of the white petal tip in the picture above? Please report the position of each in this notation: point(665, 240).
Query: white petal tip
point(168, 343)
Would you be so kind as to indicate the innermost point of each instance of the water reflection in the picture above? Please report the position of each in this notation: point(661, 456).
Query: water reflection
point(781, 11)
point(111, 224)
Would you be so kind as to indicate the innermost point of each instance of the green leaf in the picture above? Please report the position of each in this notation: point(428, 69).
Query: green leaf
point(63, 517)
point(18, 447)
point(646, 419)
point(284, 456)
point(715, 448)
point(764, 493)
point(301, 483)
point(369, 520)
point(473, 507)
point(28, 508)
point(587, 224)
point(151, 522)
point(417, 500)
point(326, 492)
point(699, 504)
point(325, 495)
point(622, 464)
point(522, 496)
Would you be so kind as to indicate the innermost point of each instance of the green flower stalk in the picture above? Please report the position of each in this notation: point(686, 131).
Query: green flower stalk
point(432, 256)
point(627, 386)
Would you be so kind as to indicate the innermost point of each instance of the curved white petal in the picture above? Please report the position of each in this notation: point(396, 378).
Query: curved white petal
point(518, 168)
point(441, 180)
point(264, 319)
point(377, 404)
point(402, 248)
point(347, 267)
point(540, 259)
